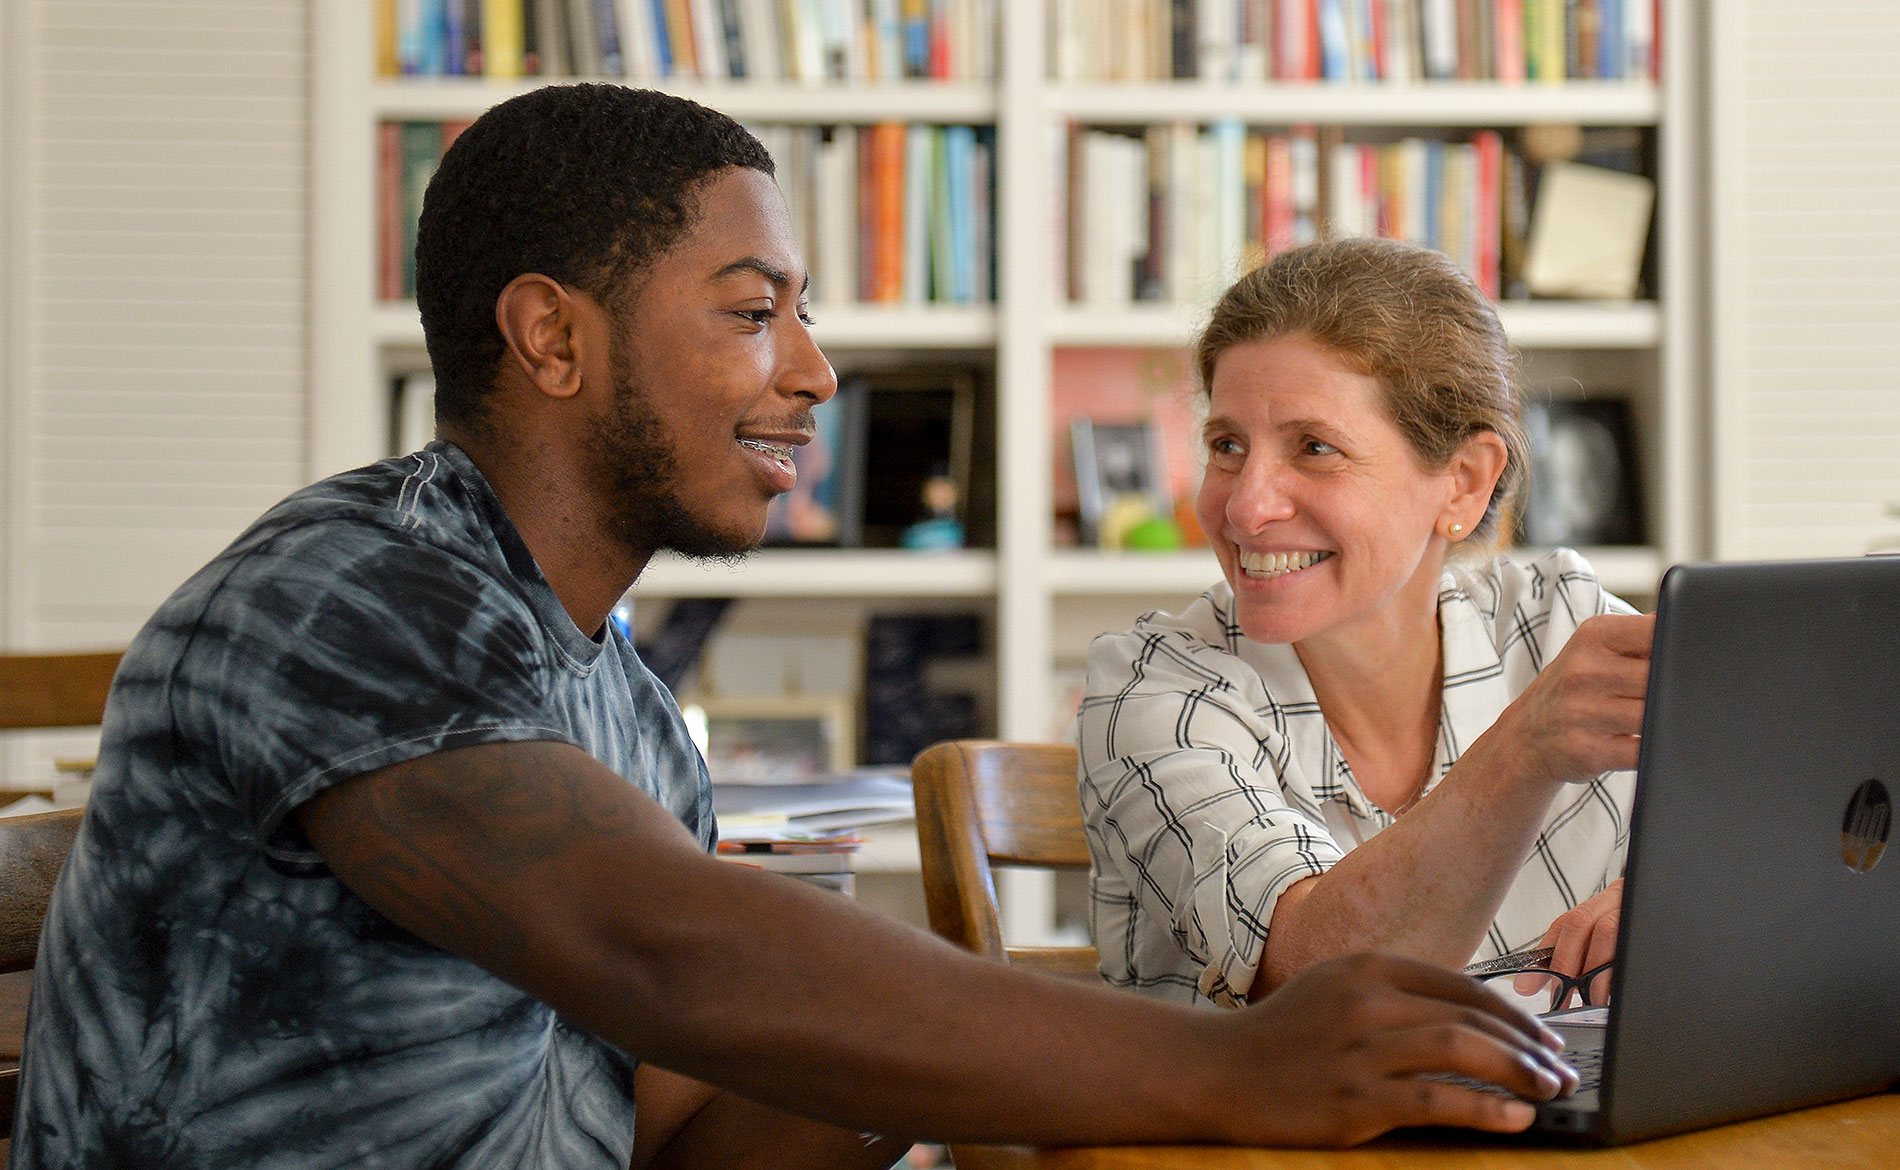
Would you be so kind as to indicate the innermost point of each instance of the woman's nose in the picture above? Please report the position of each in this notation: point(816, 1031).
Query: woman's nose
point(1261, 496)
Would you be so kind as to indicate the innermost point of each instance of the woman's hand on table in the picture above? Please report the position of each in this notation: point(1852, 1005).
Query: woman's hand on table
point(1583, 713)
point(1353, 1047)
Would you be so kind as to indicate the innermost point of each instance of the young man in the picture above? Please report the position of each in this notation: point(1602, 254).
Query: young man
point(397, 856)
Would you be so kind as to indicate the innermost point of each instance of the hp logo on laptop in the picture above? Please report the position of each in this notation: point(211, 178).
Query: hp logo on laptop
point(1864, 829)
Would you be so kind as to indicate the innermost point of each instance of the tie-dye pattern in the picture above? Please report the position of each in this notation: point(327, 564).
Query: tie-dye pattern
point(208, 994)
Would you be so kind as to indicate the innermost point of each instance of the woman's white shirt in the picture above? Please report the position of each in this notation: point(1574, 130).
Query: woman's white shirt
point(1210, 782)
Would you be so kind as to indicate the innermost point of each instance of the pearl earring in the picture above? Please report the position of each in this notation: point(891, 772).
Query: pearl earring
point(1457, 529)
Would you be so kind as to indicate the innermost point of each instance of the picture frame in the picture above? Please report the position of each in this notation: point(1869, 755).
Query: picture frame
point(1114, 461)
point(787, 739)
point(826, 508)
point(919, 424)
point(1583, 489)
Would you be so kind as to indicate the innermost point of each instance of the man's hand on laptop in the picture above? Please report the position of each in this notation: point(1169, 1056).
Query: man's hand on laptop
point(1353, 1047)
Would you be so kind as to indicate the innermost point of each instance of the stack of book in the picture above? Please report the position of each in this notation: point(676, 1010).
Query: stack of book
point(809, 830)
point(407, 154)
point(891, 213)
point(804, 41)
point(1175, 213)
point(1354, 40)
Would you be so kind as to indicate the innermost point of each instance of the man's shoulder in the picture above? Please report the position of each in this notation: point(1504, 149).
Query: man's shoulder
point(423, 497)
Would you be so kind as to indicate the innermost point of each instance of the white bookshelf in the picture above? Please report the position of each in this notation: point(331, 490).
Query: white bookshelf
point(356, 341)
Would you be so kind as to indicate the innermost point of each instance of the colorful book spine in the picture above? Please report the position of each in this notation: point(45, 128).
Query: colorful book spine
point(916, 213)
point(885, 207)
point(501, 38)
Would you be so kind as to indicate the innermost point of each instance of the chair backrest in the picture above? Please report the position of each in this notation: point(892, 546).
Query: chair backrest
point(32, 850)
point(985, 802)
point(38, 691)
point(54, 690)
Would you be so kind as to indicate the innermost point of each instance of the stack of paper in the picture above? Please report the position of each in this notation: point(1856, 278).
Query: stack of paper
point(827, 811)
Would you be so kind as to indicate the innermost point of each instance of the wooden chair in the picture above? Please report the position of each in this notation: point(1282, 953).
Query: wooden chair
point(985, 802)
point(54, 690)
point(36, 691)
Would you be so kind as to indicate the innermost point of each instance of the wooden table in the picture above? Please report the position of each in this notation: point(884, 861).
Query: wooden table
point(1851, 1135)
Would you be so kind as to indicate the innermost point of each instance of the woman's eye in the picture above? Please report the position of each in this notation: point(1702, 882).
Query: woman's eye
point(756, 316)
point(1223, 447)
point(804, 315)
point(1318, 447)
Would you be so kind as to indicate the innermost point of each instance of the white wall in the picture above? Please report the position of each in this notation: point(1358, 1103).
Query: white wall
point(154, 392)
point(1806, 257)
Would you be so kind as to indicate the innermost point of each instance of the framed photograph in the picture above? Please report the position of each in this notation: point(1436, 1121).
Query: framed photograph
point(780, 740)
point(920, 426)
point(1115, 462)
point(827, 506)
point(1583, 484)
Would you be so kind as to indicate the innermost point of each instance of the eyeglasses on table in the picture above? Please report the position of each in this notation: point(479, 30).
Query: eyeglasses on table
point(1561, 987)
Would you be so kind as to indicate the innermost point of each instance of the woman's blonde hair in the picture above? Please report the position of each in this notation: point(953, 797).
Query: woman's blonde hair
point(1405, 315)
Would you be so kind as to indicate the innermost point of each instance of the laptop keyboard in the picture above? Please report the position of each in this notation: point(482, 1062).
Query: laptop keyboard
point(1589, 1065)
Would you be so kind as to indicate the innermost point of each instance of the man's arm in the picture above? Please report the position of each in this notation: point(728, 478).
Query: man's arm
point(689, 1125)
point(543, 866)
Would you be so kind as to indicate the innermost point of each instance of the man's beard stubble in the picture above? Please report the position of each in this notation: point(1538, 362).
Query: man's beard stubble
point(640, 468)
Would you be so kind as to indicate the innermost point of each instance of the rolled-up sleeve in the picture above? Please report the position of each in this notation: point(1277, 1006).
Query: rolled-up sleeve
point(1192, 834)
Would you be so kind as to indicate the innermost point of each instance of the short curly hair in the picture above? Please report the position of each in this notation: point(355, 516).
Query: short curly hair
point(1407, 316)
point(585, 184)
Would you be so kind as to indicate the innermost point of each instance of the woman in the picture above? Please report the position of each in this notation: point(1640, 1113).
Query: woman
point(1367, 737)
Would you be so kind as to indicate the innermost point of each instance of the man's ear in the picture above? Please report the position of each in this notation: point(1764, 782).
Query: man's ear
point(540, 325)
point(1474, 471)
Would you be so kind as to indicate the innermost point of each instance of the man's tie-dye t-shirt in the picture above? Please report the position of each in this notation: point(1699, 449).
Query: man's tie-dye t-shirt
point(207, 993)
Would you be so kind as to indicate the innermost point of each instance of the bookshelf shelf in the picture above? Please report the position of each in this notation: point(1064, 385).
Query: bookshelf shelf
point(825, 573)
point(446, 98)
point(1081, 573)
point(1436, 103)
point(1532, 324)
point(395, 325)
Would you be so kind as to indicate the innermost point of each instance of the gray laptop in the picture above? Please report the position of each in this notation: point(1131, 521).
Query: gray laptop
point(1758, 967)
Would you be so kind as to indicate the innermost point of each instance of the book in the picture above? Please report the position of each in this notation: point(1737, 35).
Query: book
point(551, 43)
point(1589, 228)
point(732, 39)
point(1229, 137)
point(681, 47)
point(1508, 39)
point(760, 40)
point(421, 151)
point(835, 200)
point(501, 43)
point(884, 38)
point(983, 213)
point(1487, 226)
point(957, 151)
point(883, 209)
point(390, 210)
point(583, 38)
point(709, 40)
point(916, 212)
point(388, 33)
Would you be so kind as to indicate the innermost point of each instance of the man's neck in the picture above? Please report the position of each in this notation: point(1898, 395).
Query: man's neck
point(588, 568)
